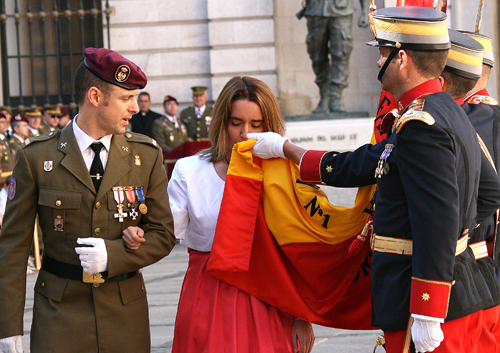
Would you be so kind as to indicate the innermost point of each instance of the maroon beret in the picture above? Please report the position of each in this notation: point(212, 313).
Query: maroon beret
point(18, 118)
point(169, 98)
point(114, 68)
point(64, 110)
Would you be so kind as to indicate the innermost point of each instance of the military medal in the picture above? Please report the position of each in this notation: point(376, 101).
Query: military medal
point(47, 165)
point(118, 194)
point(58, 224)
point(139, 190)
point(129, 191)
point(383, 165)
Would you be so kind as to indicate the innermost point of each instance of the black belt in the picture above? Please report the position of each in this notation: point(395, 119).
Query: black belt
point(75, 272)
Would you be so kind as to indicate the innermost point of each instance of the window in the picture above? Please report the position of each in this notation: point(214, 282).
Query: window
point(42, 45)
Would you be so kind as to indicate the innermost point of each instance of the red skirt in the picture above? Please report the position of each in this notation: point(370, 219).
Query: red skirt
point(213, 316)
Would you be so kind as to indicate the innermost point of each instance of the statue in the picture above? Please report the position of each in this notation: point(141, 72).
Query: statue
point(329, 31)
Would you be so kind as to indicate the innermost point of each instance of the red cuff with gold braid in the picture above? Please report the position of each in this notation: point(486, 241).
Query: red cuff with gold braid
point(310, 166)
point(429, 298)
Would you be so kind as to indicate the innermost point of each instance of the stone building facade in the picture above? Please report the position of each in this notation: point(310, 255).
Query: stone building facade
point(182, 43)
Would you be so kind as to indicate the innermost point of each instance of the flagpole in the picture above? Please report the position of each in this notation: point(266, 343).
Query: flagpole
point(479, 16)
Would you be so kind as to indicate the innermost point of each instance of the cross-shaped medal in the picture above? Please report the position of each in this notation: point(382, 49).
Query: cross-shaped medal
point(120, 215)
point(133, 213)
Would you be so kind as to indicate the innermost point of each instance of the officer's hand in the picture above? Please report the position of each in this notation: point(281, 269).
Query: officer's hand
point(94, 259)
point(427, 335)
point(302, 332)
point(269, 144)
point(363, 21)
point(12, 344)
point(133, 237)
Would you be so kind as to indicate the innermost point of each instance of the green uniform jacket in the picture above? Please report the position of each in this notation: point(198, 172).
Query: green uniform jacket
point(167, 135)
point(44, 128)
point(51, 179)
point(6, 157)
point(14, 143)
point(194, 126)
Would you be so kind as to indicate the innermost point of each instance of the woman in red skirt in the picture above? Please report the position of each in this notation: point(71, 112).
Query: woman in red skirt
point(212, 315)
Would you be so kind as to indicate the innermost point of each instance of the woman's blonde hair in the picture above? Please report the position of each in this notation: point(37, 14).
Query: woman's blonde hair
point(241, 88)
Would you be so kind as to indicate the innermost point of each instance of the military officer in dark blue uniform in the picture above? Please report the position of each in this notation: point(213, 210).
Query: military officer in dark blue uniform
point(461, 74)
point(434, 185)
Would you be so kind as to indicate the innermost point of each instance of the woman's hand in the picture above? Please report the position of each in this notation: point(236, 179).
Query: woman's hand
point(133, 237)
point(302, 332)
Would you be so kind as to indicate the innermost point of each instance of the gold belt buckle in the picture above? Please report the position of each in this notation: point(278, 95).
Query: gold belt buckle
point(94, 278)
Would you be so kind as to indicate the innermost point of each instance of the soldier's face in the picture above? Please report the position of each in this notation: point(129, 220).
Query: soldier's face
point(388, 80)
point(51, 120)
point(22, 130)
point(34, 121)
point(200, 100)
point(64, 120)
point(7, 114)
point(171, 108)
point(3, 125)
point(116, 110)
point(245, 117)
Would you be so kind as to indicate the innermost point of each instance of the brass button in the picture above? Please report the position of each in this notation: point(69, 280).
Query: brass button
point(96, 285)
point(198, 128)
point(58, 203)
point(43, 284)
point(98, 205)
point(97, 231)
point(142, 288)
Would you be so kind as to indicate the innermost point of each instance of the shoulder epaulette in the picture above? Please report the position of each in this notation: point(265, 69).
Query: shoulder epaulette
point(133, 137)
point(481, 99)
point(415, 112)
point(39, 138)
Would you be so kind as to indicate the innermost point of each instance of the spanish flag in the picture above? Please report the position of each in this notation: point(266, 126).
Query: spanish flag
point(281, 241)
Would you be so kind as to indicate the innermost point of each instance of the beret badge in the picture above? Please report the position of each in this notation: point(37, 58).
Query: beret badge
point(122, 73)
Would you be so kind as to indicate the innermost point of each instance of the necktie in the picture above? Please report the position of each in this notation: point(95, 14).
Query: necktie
point(96, 169)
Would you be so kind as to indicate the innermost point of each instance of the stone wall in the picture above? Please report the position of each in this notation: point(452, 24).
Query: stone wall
point(183, 43)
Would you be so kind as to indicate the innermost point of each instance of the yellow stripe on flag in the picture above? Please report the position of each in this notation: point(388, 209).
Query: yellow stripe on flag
point(296, 212)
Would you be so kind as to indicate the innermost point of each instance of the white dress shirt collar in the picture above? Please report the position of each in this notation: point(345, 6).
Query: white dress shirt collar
point(173, 119)
point(34, 131)
point(84, 140)
point(200, 111)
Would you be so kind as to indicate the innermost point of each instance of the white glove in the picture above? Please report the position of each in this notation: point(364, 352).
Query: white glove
point(12, 344)
point(269, 144)
point(427, 334)
point(94, 259)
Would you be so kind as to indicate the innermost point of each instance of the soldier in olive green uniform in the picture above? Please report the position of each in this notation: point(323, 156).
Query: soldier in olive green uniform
point(34, 116)
point(197, 118)
point(50, 121)
point(6, 156)
point(89, 297)
point(169, 131)
point(20, 131)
